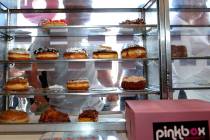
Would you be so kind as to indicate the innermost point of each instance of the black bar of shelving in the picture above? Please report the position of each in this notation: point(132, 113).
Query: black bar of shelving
point(77, 60)
point(101, 26)
point(148, 4)
point(95, 93)
point(190, 88)
point(105, 10)
point(80, 26)
point(1, 4)
point(185, 58)
point(189, 26)
point(5, 36)
point(76, 10)
point(190, 9)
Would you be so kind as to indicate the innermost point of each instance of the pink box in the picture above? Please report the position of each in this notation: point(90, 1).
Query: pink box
point(168, 120)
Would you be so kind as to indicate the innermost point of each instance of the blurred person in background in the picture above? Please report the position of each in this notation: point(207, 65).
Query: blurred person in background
point(197, 44)
point(61, 74)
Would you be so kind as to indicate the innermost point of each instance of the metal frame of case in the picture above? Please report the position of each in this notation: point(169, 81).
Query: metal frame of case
point(164, 65)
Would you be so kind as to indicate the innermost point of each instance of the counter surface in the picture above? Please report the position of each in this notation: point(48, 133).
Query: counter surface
point(121, 136)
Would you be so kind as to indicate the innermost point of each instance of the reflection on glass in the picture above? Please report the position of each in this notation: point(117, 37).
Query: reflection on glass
point(189, 3)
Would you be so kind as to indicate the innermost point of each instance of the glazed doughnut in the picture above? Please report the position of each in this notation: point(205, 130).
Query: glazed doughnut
point(18, 54)
point(139, 21)
point(133, 83)
point(105, 52)
point(14, 116)
point(51, 23)
point(77, 85)
point(17, 84)
point(134, 51)
point(75, 53)
point(46, 54)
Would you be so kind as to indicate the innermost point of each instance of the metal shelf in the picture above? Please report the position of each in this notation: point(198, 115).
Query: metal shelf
point(63, 127)
point(189, 9)
point(193, 57)
point(79, 30)
point(106, 122)
point(77, 60)
point(188, 26)
point(191, 86)
point(190, 30)
point(75, 6)
point(79, 26)
point(96, 92)
point(77, 10)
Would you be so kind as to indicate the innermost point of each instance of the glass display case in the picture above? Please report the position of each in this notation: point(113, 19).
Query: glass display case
point(89, 25)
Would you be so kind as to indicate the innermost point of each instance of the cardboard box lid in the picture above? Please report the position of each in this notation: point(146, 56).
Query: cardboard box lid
point(158, 106)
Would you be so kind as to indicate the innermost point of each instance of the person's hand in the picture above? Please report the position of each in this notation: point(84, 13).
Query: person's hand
point(39, 102)
point(40, 99)
point(33, 76)
point(13, 72)
point(105, 78)
point(112, 98)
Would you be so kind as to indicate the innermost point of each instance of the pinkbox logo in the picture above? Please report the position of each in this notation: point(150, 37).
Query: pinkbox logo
point(189, 130)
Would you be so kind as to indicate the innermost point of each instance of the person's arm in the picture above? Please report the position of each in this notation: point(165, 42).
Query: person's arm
point(33, 78)
point(105, 78)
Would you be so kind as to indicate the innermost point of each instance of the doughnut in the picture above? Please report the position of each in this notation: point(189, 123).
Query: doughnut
point(75, 53)
point(14, 116)
point(51, 23)
point(135, 21)
point(77, 85)
point(134, 51)
point(88, 116)
point(133, 83)
point(105, 52)
point(46, 54)
point(18, 54)
point(17, 84)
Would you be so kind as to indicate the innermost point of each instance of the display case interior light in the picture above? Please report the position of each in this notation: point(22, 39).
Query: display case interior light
point(39, 4)
point(112, 138)
point(88, 129)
